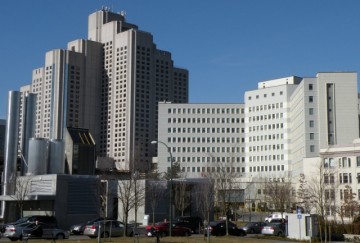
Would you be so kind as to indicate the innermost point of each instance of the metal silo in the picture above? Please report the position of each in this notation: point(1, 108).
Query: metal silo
point(11, 146)
point(29, 112)
point(38, 156)
point(11, 142)
point(56, 156)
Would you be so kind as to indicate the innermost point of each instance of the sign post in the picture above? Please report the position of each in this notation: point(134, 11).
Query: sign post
point(299, 216)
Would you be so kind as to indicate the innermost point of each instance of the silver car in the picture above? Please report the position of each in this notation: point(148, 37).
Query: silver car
point(108, 228)
point(274, 229)
point(22, 230)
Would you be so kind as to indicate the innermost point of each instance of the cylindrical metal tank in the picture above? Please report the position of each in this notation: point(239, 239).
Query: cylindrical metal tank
point(38, 156)
point(11, 142)
point(29, 113)
point(56, 156)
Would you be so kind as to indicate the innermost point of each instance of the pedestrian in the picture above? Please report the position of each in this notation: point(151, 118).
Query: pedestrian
point(37, 230)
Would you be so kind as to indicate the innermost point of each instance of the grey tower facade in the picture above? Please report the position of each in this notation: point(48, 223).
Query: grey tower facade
point(111, 85)
point(136, 76)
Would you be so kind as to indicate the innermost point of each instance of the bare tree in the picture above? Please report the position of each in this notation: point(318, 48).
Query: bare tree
point(303, 194)
point(131, 196)
point(155, 190)
point(22, 190)
point(205, 199)
point(278, 193)
point(223, 175)
point(349, 207)
point(316, 189)
point(181, 195)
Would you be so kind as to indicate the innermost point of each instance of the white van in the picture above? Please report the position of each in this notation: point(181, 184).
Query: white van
point(276, 215)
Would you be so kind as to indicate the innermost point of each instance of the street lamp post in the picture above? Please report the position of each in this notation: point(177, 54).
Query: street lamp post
point(135, 177)
point(171, 175)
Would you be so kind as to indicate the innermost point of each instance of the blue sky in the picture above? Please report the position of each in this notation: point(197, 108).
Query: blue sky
point(228, 46)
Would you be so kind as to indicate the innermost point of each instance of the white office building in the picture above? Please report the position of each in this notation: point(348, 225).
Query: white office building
point(202, 138)
point(289, 120)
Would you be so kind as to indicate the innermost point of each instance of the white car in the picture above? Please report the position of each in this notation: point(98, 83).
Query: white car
point(269, 218)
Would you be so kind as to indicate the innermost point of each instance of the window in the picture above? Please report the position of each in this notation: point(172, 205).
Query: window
point(312, 148)
point(332, 179)
point(311, 111)
point(311, 123)
point(312, 136)
point(311, 99)
point(310, 87)
point(326, 163)
point(326, 179)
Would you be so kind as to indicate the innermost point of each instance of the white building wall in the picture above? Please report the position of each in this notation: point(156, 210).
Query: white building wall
point(345, 110)
point(268, 127)
point(201, 136)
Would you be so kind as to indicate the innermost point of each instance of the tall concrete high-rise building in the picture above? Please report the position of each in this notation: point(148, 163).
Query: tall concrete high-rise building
point(109, 84)
point(136, 75)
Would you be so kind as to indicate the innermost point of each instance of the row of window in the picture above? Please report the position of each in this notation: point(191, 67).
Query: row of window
point(212, 169)
point(266, 107)
point(207, 149)
point(266, 117)
point(344, 162)
point(206, 120)
point(205, 111)
point(266, 147)
point(208, 159)
point(266, 137)
point(265, 95)
point(267, 127)
point(275, 157)
point(202, 140)
point(212, 130)
point(344, 178)
point(266, 168)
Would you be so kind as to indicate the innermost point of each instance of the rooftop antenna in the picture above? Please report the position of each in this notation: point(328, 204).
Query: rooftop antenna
point(123, 13)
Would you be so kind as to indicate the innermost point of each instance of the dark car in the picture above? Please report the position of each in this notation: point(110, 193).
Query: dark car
point(48, 220)
point(44, 219)
point(194, 223)
point(218, 228)
point(278, 220)
point(78, 229)
point(163, 229)
point(253, 227)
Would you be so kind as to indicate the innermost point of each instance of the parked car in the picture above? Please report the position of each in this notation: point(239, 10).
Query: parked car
point(280, 221)
point(78, 229)
point(218, 228)
point(194, 223)
point(21, 230)
point(44, 219)
point(108, 228)
point(274, 229)
point(163, 229)
point(253, 227)
point(273, 216)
